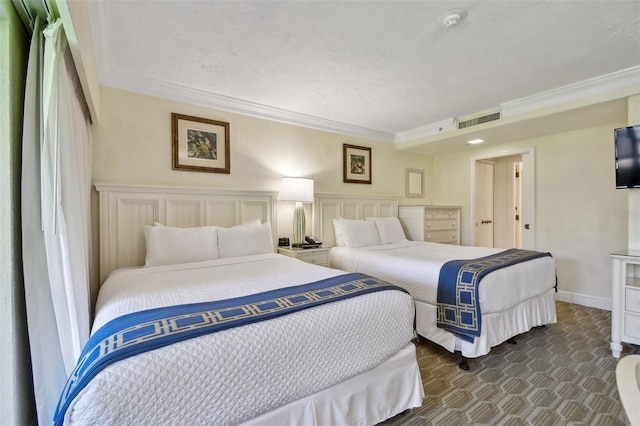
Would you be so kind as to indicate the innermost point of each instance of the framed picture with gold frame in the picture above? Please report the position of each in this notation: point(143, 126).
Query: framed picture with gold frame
point(200, 144)
point(357, 164)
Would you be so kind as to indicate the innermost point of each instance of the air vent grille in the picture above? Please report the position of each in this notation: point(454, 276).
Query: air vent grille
point(479, 120)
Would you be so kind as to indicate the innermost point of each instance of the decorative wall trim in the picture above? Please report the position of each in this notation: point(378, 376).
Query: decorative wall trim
point(429, 130)
point(190, 95)
point(126, 209)
point(584, 300)
point(573, 92)
point(326, 207)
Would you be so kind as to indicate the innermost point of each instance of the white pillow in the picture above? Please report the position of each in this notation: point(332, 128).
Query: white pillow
point(389, 229)
point(356, 233)
point(337, 230)
point(167, 245)
point(245, 240)
point(248, 224)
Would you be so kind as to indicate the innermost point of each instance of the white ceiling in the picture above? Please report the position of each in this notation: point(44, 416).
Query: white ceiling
point(379, 69)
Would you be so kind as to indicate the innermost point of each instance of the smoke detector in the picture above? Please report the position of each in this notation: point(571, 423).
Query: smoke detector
point(453, 17)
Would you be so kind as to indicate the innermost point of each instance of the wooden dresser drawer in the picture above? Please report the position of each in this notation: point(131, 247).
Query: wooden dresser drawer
point(632, 325)
point(441, 236)
point(440, 213)
point(440, 224)
point(632, 299)
point(437, 224)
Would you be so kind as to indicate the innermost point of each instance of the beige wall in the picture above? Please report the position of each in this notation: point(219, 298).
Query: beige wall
point(580, 216)
point(132, 145)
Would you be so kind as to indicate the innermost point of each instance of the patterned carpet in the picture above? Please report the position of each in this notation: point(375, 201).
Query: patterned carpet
point(562, 374)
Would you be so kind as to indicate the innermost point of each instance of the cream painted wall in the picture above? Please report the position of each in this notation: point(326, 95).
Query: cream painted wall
point(580, 216)
point(132, 145)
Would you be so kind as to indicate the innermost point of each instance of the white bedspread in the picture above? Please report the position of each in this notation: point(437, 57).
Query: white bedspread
point(415, 266)
point(238, 374)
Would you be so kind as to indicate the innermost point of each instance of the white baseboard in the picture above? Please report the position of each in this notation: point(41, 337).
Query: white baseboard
point(581, 299)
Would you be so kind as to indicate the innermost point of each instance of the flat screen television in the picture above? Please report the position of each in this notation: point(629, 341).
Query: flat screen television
point(627, 143)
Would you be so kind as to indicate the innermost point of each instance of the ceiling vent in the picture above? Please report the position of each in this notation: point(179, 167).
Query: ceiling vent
point(479, 120)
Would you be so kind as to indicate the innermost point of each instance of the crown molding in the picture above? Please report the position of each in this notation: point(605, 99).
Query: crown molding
point(176, 92)
point(428, 130)
point(573, 92)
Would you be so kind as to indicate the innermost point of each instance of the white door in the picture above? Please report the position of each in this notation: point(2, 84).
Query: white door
point(484, 204)
point(527, 195)
point(516, 208)
point(528, 208)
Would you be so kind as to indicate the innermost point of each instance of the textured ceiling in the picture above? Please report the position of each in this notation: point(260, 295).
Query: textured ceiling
point(388, 66)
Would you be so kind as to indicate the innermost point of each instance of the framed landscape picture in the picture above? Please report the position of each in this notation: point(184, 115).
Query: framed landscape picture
point(357, 164)
point(200, 144)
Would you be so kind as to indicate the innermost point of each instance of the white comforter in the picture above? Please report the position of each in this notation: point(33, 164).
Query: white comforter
point(512, 299)
point(235, 375)
point(416, 265)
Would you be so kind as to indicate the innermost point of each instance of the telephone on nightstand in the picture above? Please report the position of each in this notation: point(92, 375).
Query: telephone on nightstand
point(312, 242)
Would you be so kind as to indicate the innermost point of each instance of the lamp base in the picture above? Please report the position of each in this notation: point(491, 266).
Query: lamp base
point(299, 226)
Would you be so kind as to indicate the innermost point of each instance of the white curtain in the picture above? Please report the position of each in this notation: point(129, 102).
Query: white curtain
point(56, 189)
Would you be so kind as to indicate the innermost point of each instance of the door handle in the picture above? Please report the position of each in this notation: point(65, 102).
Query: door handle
point(526, 226)
point(486, 222)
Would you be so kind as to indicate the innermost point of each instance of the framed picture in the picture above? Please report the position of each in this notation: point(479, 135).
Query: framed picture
point(414, 183)
point(200, 144)
point(357, 164)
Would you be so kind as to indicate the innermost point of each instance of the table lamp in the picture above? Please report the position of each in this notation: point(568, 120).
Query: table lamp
point(299, 190)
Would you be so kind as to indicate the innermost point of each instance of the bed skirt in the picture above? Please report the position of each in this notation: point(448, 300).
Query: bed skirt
point(366, 399)
point(497, 327)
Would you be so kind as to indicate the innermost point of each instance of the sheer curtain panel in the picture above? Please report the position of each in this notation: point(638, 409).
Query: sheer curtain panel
point(56, 217)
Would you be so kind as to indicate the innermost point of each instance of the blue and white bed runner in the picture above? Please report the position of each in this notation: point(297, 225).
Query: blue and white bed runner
point(458, 305)
point(142, 331)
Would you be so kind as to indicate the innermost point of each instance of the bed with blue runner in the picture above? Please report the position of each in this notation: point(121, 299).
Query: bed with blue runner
point(143, 331)
point(458, 304)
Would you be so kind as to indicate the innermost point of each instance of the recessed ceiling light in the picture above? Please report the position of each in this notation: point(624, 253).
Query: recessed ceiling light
point(475, 141)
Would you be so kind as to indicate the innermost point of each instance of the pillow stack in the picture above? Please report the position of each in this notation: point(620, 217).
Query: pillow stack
point(372, 231)
point(169, 246)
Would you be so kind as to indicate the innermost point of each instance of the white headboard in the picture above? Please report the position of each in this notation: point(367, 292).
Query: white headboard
point(329, 206)
point(126, 209)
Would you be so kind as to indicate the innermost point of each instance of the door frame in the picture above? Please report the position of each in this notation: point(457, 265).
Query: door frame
point(527, 176)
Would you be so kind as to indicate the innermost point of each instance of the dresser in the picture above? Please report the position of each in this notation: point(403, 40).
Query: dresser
point(436, 224)
point(625, 309)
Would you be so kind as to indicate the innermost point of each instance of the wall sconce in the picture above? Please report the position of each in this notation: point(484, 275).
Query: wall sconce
point(301, 191)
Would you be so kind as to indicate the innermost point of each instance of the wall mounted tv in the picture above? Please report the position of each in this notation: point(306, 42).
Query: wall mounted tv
point(627, 143)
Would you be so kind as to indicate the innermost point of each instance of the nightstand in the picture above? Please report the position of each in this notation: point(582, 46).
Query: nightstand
point(317, 256)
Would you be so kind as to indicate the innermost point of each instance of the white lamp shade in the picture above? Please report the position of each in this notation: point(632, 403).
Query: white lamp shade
point(297, 189)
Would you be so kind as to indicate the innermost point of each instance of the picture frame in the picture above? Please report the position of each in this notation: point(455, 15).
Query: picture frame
point(200, 144)
point(414, 183)
point(356, 164)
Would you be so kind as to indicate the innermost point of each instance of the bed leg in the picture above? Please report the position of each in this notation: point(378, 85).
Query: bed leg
point(464, 364)
point(512, 341)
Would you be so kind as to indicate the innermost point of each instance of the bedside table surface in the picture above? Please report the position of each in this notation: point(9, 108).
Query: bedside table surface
point(303, 250)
